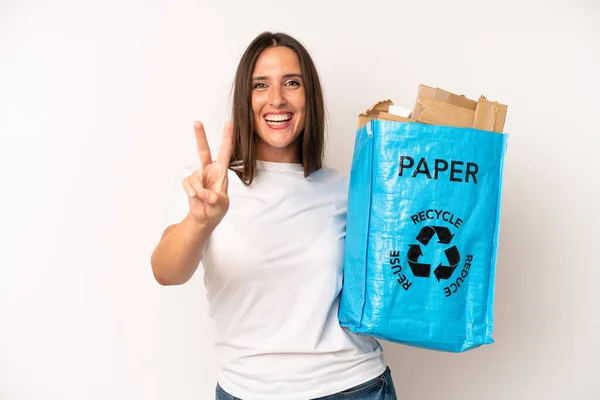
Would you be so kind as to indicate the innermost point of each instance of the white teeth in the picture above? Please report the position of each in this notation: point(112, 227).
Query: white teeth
point(278, 123)
point(278, 118)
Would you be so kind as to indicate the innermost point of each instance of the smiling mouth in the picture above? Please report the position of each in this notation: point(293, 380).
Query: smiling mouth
point(278, 120)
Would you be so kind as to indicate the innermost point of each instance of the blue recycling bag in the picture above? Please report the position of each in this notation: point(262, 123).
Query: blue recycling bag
point(422, 234)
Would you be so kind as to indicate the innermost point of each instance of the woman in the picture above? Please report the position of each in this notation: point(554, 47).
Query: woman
point(268, 223)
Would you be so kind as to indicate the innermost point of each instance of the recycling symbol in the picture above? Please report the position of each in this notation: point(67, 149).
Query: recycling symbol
point(424, 237)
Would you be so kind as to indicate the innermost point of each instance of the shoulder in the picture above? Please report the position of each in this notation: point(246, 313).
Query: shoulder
point(234, 180)
point(335, 180)
point(329, 175)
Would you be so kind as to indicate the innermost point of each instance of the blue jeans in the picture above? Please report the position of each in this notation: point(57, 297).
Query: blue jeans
point(380, 388)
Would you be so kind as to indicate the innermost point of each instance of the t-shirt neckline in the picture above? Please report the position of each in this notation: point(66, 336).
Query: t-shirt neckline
point(279, 166)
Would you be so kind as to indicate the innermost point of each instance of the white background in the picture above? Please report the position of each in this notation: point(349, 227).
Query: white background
point(97, 103)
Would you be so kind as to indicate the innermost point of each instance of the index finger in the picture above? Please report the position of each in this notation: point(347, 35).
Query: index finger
point(202, 144)
point(226, 146)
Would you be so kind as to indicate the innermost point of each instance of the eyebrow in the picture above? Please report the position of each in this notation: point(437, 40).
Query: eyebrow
point(286, 76)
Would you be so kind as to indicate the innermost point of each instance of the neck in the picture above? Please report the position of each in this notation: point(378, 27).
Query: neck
point(267, 153)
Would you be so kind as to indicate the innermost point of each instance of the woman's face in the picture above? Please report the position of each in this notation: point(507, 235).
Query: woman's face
point(278, 104)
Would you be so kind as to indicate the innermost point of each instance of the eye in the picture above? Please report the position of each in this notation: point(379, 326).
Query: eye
point(259, 86)
point(292, 83)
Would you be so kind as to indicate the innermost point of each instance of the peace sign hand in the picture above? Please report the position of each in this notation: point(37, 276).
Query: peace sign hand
point(207, 186)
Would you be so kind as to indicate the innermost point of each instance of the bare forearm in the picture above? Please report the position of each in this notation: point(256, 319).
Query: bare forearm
point(177, 255)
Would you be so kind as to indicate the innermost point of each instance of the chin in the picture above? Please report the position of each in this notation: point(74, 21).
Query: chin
point(278, 138)
point(280, 143)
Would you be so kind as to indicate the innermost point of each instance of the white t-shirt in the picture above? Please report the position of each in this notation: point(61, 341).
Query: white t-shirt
point(273, 274)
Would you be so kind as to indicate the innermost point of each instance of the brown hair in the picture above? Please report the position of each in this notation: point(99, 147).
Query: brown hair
point(311, 139)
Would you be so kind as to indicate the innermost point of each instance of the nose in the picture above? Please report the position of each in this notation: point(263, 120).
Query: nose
point(276, 97)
